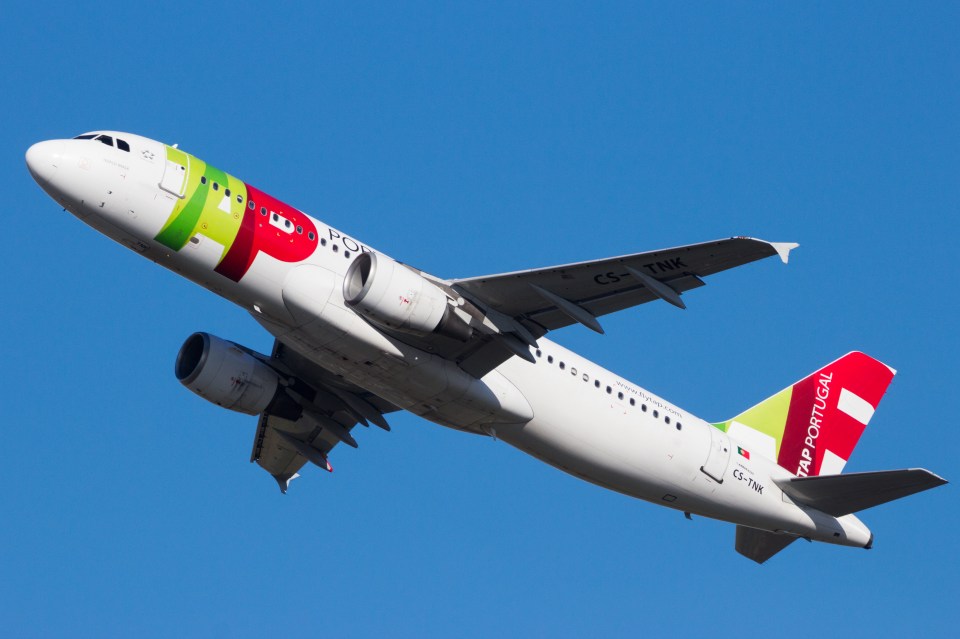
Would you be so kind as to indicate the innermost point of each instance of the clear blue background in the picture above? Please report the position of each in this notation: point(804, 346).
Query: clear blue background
point(468, 139)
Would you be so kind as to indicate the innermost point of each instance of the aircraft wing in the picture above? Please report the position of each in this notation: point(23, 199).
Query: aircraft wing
point(526, 304)
point(334, 407)
point(613, 284)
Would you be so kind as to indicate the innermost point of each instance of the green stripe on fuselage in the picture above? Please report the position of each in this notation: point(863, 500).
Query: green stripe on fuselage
point(203, 211)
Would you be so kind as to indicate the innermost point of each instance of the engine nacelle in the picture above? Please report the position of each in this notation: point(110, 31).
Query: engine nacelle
point(221, 372)
point(393, 296)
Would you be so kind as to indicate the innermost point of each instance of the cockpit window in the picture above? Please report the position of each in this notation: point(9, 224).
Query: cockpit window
point(106, 139)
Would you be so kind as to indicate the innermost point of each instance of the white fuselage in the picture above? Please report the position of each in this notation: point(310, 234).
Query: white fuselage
point(563, 409)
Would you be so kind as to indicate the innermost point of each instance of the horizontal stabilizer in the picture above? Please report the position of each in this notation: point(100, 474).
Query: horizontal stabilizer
point(760, 545)
point(840, 495)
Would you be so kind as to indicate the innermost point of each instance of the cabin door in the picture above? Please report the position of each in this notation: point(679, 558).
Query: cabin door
point(719, 455)
point(175, 172)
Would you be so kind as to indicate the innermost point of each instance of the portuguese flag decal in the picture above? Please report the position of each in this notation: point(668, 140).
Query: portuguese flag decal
point(743, 452)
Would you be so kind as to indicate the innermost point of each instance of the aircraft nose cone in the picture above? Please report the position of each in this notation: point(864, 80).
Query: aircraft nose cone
point(42, 160)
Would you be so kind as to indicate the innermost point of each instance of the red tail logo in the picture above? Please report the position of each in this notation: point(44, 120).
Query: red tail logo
point(829, 411)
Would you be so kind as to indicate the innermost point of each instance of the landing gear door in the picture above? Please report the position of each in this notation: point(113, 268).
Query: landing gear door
point(175, 172)
point(719, 455)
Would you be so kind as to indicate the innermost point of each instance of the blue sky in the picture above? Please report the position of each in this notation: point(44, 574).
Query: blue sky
point(468, 139)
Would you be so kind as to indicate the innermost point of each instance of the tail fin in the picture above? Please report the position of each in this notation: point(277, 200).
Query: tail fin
point(813, 426)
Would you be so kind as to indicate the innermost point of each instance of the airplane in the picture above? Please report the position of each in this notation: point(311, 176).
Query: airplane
point(359, 335)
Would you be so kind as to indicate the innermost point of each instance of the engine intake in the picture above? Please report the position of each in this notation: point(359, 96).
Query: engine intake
point(223, 373)
point(394, 296)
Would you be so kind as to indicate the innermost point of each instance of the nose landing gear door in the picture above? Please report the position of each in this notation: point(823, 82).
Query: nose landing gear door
point(175, 172)
point(719, 455)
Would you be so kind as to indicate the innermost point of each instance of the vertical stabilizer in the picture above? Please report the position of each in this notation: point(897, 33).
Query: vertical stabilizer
point(812, 427)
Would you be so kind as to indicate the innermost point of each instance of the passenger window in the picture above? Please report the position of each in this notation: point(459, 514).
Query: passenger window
point(311, 235)
point(562, 366)
point(216, 187)
point(251, 204)
point(596, 383)
point(620, 396)
point(122, 145)
point(633, 402)
point(239, 199)
point(666, 419)
point(106, 139)
point(656, 414)
point(281, 222)
point(550, 359)
point(226, 192)
point(203, 179)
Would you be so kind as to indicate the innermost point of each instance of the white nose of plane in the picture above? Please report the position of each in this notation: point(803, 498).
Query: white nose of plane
point(42, 160)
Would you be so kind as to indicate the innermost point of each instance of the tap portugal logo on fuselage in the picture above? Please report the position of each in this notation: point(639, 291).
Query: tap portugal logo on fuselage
point(243, 220)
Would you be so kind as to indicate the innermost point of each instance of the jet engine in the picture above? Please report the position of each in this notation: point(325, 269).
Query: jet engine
point(223, 373)
point(395, 296)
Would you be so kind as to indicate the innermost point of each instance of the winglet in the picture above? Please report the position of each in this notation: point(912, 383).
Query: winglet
point(783, 249)
point(284, 481)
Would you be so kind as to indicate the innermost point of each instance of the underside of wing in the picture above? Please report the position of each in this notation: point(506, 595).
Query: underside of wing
point(326, 411)
point(524, 305)
point(480, 322)
point(604, 286)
